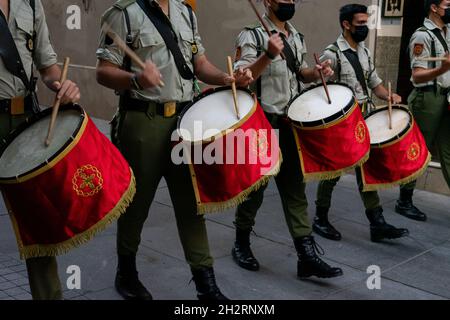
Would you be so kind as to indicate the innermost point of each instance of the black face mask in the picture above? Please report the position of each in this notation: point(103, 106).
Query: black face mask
point(285, 11)
point(360, 33)
point(446, 17)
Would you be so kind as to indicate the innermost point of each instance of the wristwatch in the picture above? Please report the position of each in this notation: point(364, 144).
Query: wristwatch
point(269, 55)
point(135, 83)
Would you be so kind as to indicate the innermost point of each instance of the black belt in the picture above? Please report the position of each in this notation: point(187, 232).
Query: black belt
point(130, 104)
point(431, 88)
point(5, 105)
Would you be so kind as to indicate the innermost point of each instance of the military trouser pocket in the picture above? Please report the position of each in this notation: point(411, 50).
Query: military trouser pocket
point(116, 127)
point(416, 101)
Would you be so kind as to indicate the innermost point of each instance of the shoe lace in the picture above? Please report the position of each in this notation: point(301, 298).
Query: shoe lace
point(317, 249)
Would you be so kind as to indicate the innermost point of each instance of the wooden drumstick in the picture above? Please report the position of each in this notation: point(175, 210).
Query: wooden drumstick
point(264, 24)
point(390, 104)
point(432, 59)
point(57, 103)
point(233, 87)
point(123, 46)
point(316, 57)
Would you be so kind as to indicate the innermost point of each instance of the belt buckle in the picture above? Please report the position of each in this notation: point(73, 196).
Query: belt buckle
point(17, 106)
point(170, 108)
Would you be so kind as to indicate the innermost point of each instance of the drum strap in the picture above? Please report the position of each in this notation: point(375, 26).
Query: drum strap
point(291, 59)
point(165, 29)
point(258, 54)
point(352, 57)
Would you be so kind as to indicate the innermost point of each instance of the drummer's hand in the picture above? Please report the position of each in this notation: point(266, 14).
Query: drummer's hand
point(149, 77)
point(396, 99)
point(446, 64)
point(325, 66)
point(242, 77)
point(276, 45)
point(68, 92)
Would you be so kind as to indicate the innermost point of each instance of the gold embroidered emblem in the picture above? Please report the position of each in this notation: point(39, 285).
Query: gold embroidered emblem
point(87, 181)
point(414, 151)
point(30, 44)
point(194, 48)
point(260, 144)
point(360, 132)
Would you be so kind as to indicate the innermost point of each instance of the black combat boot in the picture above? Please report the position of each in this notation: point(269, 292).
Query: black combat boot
point(242, 253)
point(205, 282)
point(127, 281)
point(309, 264)
point(379, 229)
point(323, 227)
point(406, 208)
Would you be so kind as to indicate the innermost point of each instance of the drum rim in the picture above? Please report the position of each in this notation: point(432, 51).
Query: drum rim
point(54, 159)
point(319, 124)
point(223, 132)
point(399, 136)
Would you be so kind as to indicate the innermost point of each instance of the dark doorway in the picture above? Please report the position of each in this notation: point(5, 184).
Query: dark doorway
point(413, 16)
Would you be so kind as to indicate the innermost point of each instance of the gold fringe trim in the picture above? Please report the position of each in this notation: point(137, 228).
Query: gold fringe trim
point(204, 208)
point(318, 176)
point(384, 186)
point(38, 250)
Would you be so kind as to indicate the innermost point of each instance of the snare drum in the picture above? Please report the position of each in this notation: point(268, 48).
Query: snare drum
point(61, 196)
point(228, 157)
point(331, 138)
point(398, 155)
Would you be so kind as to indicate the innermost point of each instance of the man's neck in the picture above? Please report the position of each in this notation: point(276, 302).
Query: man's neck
point(348, 37)
point(279, 24)
point(164, 4)
point(436, 20)
point(4, 5)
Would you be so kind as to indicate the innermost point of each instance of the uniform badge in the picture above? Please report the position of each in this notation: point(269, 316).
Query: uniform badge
point(30, 43)
point(194, 48)
point(418, 49)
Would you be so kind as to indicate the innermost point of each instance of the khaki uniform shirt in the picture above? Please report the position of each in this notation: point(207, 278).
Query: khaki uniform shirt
point(21, 25)
point(420, 47)
point(278, 84)
point(149, 45)
point(347, 73)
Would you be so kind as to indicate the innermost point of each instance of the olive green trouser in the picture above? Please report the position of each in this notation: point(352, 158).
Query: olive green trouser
point(431, 114)
point(290, 186)
point(42, 272)
point(144, 138)
point(325, 189)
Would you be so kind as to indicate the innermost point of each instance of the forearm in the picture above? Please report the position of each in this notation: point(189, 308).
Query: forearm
point(49, 75)
point(208, 73)
point(421, 75)
point(113, 77)
point(381, 92)
point(309, 75)
point(257, 68)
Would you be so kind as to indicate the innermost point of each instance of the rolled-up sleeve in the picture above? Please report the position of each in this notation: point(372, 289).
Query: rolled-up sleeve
point(114, 20)
point(374, 80)
point(45, 55)
point(198, 38)
point(246, 49)
point(419, 47)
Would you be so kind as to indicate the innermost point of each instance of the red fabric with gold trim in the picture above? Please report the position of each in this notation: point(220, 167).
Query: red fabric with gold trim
point(244, 158)
point(398, 162)
point(329, 151)
point(75, 197)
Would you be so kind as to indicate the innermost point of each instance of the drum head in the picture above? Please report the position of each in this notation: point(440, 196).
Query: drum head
point(312, 105)
point(378, 124)
point(212, 113)
point(27, 151)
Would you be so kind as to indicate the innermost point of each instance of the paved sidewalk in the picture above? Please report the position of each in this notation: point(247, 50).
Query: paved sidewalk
point(416, 267)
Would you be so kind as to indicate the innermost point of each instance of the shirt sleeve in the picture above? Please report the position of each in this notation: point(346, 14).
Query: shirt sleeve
point(44, 55)
point(246, 49)
point(420, 47)
point(107, 49)
point(374, 80)
point(198, 39)
point(304, 52)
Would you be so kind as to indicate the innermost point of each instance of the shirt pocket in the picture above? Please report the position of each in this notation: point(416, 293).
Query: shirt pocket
point(25, 24)
point(187, 44)
point(278, 67)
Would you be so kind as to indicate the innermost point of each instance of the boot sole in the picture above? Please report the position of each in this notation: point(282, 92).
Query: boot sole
point(326, 235)
point(374, 239)
point(243, 266)
point(415, 218)
point(304, 277)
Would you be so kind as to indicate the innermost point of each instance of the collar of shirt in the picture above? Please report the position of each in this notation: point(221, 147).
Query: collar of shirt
point(289, 27)
point(344, 45)
point(174, 14)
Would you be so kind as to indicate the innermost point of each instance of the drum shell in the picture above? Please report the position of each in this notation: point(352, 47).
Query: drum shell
point(83, 188)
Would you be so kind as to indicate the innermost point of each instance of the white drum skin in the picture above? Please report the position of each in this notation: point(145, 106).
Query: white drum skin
point(378, 124)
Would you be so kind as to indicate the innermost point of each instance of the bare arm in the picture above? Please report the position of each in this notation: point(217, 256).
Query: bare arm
point(67, 91)
point(381, 92)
